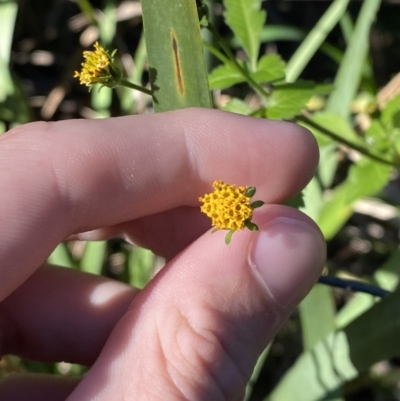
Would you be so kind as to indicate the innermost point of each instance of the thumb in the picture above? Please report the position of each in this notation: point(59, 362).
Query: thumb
point(197, 330)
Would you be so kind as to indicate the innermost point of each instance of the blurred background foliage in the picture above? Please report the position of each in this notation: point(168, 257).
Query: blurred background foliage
point(333, 66)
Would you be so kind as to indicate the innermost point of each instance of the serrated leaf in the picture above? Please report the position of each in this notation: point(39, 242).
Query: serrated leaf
point(246, 20)
point(289, 100)
point(270, 68)
point(224, 76)
point(237, 106)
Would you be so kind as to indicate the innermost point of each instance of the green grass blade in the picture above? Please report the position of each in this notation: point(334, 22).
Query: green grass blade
point(175, 53)
point(101, 99)
point(349, 75)
point(93, 257)
point(314, 39)
point(140, 266)
point(317, 315)
point(347, 27)
point(135, 76)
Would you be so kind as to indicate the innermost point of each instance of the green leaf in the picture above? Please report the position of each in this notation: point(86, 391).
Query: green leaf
point(386, 277)
point(61, 256)
point(270, 68)
point(343, 355)
point(93, 257)
point(288, 100)
point(237, 106)
point(175, 55)
point(256, 372)
point(274, 33)
point(312, 199)
point(140, 266)
point(296, 202)
point(365, 178)
point(317, 315)
point(391, 114)
point(328, 161)
point(338, 124)
point(225, 76)
point(377, 136)
point(246, 20)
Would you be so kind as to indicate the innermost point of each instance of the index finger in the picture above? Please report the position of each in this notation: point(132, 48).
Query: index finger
point(70, 176)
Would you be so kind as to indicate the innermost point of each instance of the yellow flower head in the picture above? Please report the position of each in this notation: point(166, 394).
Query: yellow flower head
point(229, 207)
point(97, 68)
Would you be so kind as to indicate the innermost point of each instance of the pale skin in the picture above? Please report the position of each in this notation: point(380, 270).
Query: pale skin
point(196, 331)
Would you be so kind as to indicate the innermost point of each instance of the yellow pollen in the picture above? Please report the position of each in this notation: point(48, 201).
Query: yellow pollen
point(228, 206)
point(95, 69)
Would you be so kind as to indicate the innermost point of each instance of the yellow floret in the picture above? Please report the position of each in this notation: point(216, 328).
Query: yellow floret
point(95, 69)
point(228, 206)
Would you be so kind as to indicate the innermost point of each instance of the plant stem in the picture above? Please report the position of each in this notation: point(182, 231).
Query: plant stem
point(338, 138)
point(130, 85)
point(256, 86)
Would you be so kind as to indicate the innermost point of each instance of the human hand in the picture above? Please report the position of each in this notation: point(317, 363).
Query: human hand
point(196, 331)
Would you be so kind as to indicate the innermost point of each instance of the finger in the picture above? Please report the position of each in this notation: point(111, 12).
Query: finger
point(36, 387)
point(166, 233)
point(203, 321)
point(62, 314)
point(84, 174)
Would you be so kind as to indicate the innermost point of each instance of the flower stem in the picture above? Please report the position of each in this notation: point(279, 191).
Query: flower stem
point(127, 84)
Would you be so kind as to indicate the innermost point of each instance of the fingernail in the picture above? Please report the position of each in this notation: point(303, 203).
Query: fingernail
point(288, 256)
